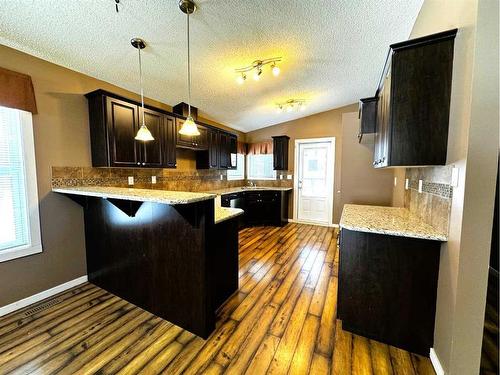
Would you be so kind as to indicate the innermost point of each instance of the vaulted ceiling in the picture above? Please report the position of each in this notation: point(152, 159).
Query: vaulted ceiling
point(333, 50)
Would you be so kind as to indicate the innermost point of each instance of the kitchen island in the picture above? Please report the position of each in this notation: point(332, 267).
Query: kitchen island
point(171, 253)
point(388, 272)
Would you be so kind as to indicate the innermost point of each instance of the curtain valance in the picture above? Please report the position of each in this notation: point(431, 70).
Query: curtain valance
point(16, 91)
point(242, 148)
point(260, 148)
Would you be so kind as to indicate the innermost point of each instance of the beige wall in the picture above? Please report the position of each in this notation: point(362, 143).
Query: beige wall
point(472, 148)
point(361, 183)
point(350, 163)
point(61, 133)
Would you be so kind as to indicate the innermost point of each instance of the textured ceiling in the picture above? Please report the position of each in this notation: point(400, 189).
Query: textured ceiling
point(333, 51)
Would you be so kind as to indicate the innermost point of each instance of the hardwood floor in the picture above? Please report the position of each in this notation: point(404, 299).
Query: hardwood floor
point(282, 320)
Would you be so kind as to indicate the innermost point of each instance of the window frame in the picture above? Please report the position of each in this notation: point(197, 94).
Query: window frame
point(34, 245)
point(259, 178)
point(238, 177)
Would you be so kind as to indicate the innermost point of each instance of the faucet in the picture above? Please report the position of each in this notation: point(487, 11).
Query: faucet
point(251, 184)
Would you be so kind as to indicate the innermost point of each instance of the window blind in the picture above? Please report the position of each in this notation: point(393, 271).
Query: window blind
point(14, 219)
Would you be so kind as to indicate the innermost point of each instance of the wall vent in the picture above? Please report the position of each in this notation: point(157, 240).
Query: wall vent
point(42, 307)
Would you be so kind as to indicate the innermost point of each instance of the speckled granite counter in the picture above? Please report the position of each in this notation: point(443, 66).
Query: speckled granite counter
point(247, 188)
point(226, 213)
point(140, 195)
point(388, 220)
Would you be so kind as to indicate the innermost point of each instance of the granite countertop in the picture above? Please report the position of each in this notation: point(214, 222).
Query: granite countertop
point(226, 213)
point(141, 195)
point(239, 189)
point(394, 221)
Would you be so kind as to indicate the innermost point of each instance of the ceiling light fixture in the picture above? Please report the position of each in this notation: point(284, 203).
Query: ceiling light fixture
point(256, 66)
point(189, 126)
point(290, 105)
point(143, 134)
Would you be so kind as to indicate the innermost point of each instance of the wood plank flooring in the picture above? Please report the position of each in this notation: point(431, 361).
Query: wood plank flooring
point(281, 321)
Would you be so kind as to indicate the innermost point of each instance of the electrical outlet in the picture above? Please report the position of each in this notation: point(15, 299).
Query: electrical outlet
point(395, 181)
point(222, 177)
point(281, 177)
point(130, 180)
point(407, 184)
point(289, 177)
point(153, 179)
point(454, 176)
point(420, 185)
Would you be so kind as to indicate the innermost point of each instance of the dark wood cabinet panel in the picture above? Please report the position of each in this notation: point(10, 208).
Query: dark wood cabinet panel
point(233, 151)
point(387, 288)
point(213, 148)
point(122, 124)
point(414, 102)
point(170, 142)
point(114, 122)
point(269, 207)
point(224, 157)
point(280, 152)
point(367, 116)
point(152, 151)
point(198, 142)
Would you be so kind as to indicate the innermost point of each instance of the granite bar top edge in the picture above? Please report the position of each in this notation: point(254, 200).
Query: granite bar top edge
point(226, 213)
point(139, 195)
point(394, 221)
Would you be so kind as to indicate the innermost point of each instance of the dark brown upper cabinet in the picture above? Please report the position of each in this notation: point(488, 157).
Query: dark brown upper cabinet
point(221, 145)
point(114, 122)
point(280, 152)
point(414, 102)
point(367, 117)
point(198, 142)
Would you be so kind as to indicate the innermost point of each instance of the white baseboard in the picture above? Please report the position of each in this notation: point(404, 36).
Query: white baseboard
point(4, 310)
point(313, 223)
point(436, 363)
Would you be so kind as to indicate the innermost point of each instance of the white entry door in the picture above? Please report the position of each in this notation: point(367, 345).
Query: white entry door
point(314, 183)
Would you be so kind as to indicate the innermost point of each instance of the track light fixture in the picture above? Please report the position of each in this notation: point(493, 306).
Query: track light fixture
point(256, 67)
point(290, 105)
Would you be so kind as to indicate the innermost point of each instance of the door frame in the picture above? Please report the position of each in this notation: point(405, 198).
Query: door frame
point(330, 182)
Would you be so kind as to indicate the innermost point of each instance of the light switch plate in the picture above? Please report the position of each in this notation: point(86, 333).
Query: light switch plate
point(289, 177)
point(454, 176)
point(130, 180)
point(420, 185)
point(153, 179)
point(407, 184)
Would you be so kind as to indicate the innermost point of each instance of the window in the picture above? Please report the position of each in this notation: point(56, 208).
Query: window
point(239, 172)
point(260, 167)
point(20, 223)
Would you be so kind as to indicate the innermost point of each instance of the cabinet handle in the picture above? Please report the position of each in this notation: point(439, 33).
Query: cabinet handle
point(138, 163)
point(143, 163)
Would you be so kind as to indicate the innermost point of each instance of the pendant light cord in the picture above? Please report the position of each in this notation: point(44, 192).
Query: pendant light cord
point(142, 88)
point(189, 69)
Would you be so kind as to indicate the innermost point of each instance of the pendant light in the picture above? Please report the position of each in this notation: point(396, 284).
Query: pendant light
point(143, 134)
point(189, 126)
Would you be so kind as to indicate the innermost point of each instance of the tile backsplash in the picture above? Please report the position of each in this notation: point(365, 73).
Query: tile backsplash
point(433, 204)
point(166, 179)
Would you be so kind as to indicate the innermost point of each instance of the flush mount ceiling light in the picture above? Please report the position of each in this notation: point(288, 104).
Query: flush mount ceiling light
point(143, 134)
point(256, 67)
point(189, 126)
point(290, 105)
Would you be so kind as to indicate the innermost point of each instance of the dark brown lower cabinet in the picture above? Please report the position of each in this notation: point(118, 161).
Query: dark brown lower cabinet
point(269, 207)
point(387, 288)
point(171, 260)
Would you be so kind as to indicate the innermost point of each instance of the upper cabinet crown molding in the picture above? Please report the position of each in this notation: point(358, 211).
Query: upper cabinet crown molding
point(413, 108)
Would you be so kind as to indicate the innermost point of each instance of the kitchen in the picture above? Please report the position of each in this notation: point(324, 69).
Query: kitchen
point(218, 252)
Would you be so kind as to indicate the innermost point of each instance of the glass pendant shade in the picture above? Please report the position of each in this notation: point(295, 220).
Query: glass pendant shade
point(189, 127)
point(143, 134)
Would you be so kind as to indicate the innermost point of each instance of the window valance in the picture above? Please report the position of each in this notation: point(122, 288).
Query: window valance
point(260, 148)
point(242, 148)
point(16, 91)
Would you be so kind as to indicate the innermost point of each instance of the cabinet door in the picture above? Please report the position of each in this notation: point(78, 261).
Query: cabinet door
point(152, 151)
point(169, 142)
point(385, 131)
point(280, 153)
point(224, 157)
point(201, 141)
point(198, 142)
point(122, 119)
point(213, 148)
point(233, 150)
point(182, 140)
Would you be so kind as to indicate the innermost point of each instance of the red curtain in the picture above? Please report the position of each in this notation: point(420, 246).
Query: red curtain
point(260, 148)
